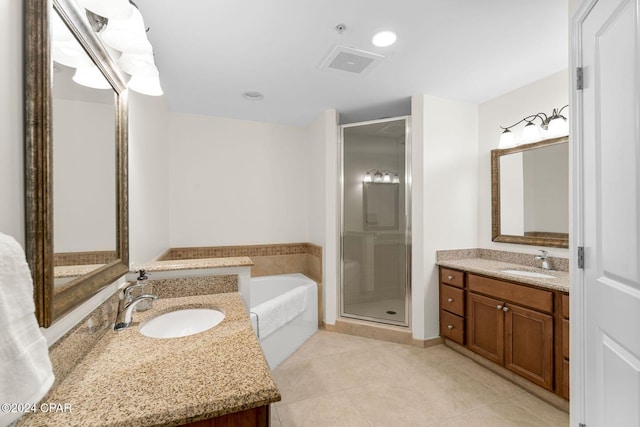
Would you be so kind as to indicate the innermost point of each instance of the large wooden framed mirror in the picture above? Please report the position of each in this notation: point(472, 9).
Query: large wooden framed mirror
point(530, 193)
point(75, 159)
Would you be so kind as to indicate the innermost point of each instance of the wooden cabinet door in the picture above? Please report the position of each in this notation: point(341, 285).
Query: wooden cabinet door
point(485, 327)
point(529, 344)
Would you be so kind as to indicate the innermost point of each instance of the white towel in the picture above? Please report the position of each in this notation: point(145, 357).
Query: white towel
point(25, 368)
point(280, 310)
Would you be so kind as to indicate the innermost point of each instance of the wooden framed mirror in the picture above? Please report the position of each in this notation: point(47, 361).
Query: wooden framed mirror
point(75, 162)
point(530, 193)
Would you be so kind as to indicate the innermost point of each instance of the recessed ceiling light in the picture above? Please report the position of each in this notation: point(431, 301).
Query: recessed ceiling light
point(253, 95)
point(384, 38)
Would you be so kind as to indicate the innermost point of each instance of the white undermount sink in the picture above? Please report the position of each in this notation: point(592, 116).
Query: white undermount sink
point(181, 323)
point(529, 274)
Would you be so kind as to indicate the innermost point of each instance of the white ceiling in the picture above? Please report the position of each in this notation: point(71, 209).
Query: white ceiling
point(209, 52)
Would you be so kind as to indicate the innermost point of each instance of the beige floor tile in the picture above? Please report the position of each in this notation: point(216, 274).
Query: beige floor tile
point(384, 404)
point(331, 410)
point(516, 415)
point(324, 343)
point(390, 384)
point(455, 391)
point(541, 409)
point(303, 379)
point(481, 417)
point(502, 386)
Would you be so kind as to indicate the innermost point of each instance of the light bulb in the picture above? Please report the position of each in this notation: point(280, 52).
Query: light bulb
point(111, 9)
point(127, 35)
point(557, 127)
point(91, 77)
point(530, 133)
point(137, 63)
point(148, 84)
point(396, 179)
point(507, 140)
point(367, 177)
point(377, 177)
point(386, 177)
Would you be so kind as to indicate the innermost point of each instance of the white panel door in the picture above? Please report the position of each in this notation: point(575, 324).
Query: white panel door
point(610, 211)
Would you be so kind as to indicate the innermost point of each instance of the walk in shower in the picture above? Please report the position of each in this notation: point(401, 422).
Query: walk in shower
point(375, 238)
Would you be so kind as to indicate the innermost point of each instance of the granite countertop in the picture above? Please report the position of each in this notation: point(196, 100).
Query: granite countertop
point(493, 268)
point(128, 379)
point(194, 264)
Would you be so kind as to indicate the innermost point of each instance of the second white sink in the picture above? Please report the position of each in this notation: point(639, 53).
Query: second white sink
point(181, 323)
point(529, 274)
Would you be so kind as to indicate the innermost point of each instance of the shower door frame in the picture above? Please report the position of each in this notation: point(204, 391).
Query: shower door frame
point(407, 221)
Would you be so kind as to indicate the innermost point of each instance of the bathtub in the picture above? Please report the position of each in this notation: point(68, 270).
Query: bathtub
point(282, 342)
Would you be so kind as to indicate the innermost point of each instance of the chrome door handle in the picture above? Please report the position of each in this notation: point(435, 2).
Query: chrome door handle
point(450, 327)
point(499, 307)
point(450, 277)
point(505, 309)
point(450, 300)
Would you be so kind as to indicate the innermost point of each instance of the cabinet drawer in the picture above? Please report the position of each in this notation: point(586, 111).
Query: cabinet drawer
point(529, 297)
point(452, 277)
point(452, 327)
point(565, 306)
point(452, 299)
point(565, 338)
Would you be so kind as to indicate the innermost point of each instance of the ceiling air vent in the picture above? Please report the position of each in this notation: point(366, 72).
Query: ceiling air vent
point(346, 60)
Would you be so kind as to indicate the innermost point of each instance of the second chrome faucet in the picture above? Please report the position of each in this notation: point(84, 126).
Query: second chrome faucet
point(544, 258)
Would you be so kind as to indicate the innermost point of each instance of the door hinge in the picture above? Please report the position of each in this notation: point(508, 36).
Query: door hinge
point(581, 257)
point(579, 79)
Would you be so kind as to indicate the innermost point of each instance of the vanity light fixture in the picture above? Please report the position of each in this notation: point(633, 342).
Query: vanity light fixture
point(384, 38)
point(384, 176)
point(551, 126)
point(120, 26)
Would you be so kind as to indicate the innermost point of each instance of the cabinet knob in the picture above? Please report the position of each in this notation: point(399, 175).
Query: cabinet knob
point(450, 277)
point(450, 299)
point(499, 307)
point(450, 327)
point(505, 309)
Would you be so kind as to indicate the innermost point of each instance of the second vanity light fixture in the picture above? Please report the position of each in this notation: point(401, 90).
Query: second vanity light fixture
point(551, 126)
point(120, 26)
point(384, 177)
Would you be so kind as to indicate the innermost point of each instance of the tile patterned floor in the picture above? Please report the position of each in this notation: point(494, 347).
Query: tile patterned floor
point(341, 380)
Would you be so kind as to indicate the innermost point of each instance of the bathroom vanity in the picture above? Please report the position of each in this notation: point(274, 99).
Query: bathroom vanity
point(216, 377)
point(519, 323)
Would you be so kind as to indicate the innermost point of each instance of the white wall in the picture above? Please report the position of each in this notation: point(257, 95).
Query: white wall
point(149, 208)
point(541, 96)
point(84, 167)
point(444, 214)
point(11, 121)
point(237, 182)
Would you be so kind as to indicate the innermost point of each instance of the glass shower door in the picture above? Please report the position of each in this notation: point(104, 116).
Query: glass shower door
point(375, 238)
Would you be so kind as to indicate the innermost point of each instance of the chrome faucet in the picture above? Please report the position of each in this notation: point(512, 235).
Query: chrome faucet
point(544, 259)
point(126, 305)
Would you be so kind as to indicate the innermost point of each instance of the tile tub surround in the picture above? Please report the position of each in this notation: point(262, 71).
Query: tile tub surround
point(267, 260)
point(129, 379)
point(83, 258)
